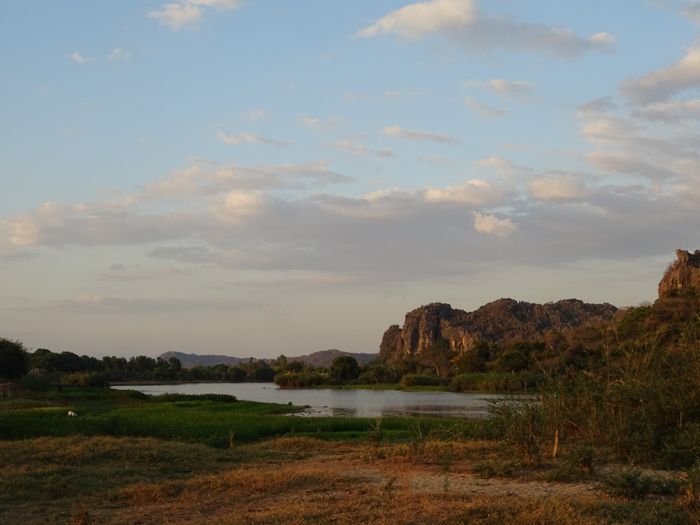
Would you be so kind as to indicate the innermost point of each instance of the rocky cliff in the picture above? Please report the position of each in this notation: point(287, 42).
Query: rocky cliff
point(682, 274)
point(503, 320)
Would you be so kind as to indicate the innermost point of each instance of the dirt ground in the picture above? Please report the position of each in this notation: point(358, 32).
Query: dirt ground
point(294, 481)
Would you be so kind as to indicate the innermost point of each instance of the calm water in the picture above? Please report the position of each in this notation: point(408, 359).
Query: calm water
point(356, 403)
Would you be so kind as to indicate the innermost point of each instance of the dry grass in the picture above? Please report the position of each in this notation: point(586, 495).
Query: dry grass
point(290, 481)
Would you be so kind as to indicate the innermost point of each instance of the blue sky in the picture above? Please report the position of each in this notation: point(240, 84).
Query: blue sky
point(257, 178)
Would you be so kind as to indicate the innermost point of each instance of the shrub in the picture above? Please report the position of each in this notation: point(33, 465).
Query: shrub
point(632, 483)
point(420, 380)
point(85, 379)
point(36, 382)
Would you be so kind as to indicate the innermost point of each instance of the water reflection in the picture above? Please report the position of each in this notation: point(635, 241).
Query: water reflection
point(342, 403)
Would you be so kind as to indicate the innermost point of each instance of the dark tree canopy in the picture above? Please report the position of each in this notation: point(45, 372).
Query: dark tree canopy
point(344, 368)
point(13, 359)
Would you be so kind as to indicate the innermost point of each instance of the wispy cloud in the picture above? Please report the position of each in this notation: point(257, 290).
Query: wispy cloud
point(665, 82)
point(483, 109)
point(118, 54)
point(510, 87)
point(78, 58)
point(462, 22)
point(412, 134)
point(251, 138)
point(362, 150)
point(185, 13)
point(318, 122)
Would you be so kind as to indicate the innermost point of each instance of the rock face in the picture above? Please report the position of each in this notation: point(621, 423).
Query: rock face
point(500, 321)
point(682, 274)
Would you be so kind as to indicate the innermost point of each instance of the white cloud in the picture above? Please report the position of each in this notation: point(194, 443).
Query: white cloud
point(492, 225)
point(604, 129)
point(411, 134)
point(555, 188)
point(630, 165)
point(599, 105)
point(188, 12)
point(251, 138)
point(362, 150)
point(474, 192)
point(692, 12)
point(666, 82)
point(239, 205)
point(318, 122)
point(416, 20)
point(602, 38)
point(198, 180)
point(511, 87)
point(670, 110)
point(500, 164)
point(80, 59)
point(119, 54)
point(177, 16)
point(483, 109)
point(462, 23)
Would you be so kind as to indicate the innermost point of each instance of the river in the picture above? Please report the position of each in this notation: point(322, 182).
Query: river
point(352, 403)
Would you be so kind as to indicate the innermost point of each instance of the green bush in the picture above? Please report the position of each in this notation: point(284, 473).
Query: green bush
point(85, 379)
point(632, 483)
point(420, 380)
point(36, 381)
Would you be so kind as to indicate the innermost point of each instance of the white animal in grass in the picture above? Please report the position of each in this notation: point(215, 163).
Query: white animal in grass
point(72, 414)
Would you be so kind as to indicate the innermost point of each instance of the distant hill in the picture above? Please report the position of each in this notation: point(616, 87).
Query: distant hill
point(192, 360)
point(322, 358)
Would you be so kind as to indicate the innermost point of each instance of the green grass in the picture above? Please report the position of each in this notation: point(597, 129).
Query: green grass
point(211, 421)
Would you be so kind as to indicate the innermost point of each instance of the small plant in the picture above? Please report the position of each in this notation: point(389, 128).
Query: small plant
point(376, 435)
point(690, 499)
point(493, 468)
point(632, 483)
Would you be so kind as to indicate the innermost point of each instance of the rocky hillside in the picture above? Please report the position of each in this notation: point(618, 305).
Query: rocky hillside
point(682, 274)
point(501, 321)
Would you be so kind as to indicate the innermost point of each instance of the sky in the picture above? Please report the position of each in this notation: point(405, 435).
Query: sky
point(257, 178)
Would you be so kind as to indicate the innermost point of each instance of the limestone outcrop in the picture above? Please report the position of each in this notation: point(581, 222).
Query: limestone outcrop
point(500, 321)
point(683, 274)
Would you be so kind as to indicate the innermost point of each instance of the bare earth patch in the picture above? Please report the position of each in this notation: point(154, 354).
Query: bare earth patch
point(295, 481)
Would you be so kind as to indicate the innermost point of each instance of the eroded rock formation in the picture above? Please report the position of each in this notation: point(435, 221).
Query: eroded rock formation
point(683, 274)
point(500, 321)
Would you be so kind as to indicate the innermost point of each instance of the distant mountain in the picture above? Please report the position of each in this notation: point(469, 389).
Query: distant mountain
point(192, 360)
point(322, 358)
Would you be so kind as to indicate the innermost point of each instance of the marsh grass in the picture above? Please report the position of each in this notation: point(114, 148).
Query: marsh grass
point(211, 420)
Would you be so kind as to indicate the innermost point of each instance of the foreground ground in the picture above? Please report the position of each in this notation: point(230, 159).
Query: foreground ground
point(108, 480)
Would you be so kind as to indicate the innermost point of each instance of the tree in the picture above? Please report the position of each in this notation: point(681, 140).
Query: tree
point(344, 369)
point(439, 356)
point(474, 359)
point(13, 359)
